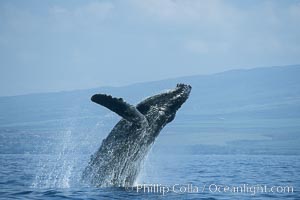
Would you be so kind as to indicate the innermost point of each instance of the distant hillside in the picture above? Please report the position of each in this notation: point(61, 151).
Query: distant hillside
point(253, 111)
point(271, 92)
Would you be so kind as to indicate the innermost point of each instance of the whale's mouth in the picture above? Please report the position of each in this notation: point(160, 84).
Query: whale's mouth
point(169, 101)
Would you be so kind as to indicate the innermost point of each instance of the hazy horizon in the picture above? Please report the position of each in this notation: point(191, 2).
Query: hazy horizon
point(48, 46)
point(149, 81)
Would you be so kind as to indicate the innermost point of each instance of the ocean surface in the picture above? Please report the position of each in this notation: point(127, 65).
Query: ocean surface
point(46, 162)
point(237, 137)
point(29, 176)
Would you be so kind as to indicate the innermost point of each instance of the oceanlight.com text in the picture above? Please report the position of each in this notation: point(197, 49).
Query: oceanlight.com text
point(213, 188)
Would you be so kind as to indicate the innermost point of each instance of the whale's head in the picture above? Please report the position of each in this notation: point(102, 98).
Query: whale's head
point(155, 111)
point(161, 109)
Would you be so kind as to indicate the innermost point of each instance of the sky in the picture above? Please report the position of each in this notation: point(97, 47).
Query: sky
point(60, 45)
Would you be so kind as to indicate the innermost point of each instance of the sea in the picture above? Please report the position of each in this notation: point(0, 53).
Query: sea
point(45, 161)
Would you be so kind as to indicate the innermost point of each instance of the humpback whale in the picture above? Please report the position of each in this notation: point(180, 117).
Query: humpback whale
point(117, 162)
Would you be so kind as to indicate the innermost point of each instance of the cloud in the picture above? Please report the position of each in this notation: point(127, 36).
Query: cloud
point(90, 40)
point(89, 14)
point(55, 16)
point(95, 9)
point(188, 11)
point(220, 27)
point(295, 10)
point(206, 47)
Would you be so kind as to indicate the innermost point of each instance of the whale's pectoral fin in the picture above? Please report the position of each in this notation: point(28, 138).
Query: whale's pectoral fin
point(119, 106)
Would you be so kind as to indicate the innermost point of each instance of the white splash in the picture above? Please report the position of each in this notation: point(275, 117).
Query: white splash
point(56, 170)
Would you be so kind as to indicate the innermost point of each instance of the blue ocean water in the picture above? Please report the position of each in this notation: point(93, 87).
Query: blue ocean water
point(237, 137)
point(44, 176)
point(190, 160)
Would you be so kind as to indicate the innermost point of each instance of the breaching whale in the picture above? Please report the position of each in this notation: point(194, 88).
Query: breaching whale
point(117, 161)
